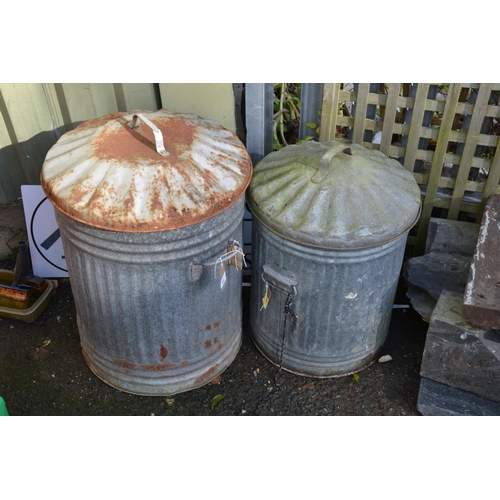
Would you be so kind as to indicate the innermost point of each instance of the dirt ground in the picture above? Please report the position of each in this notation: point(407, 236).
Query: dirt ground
point(43, 372)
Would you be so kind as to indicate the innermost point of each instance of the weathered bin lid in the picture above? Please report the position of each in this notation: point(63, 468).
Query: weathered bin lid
point(333, 195)
point(112, 172)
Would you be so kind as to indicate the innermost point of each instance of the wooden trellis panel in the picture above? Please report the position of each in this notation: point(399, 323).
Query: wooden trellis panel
point(447, 135)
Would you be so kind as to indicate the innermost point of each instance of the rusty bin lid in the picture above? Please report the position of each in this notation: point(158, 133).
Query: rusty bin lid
point(334, 195)
point(146, 171)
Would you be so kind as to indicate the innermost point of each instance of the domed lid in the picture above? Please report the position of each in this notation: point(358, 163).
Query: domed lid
point(333, 195)
point(146, 171)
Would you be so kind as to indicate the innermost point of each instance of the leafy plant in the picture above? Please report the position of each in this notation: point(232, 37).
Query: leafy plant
point(286, 118)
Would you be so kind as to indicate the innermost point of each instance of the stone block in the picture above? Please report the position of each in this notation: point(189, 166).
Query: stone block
point(421, 301)
point(461, 355)
point(481, 303)
point(435, 399)
point(451, 236)
point(446, 263)
point(436, 271)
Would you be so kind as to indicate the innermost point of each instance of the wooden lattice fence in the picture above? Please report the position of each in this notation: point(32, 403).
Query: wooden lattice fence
point(447, 135)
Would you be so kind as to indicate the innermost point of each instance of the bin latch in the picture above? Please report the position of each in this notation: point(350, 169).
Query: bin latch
point(280, 279)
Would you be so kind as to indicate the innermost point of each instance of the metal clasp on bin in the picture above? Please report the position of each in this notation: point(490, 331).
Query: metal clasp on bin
point(279, 278)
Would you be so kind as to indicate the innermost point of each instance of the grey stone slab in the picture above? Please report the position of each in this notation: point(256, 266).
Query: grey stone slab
point(437, 271)
point(421, 301)
point(481, 304)
point(445, 265)
point(435, 399)
point(461, 355)
point(451, 236)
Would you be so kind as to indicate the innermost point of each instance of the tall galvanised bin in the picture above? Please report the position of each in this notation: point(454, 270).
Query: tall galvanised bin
point(150, 208)
point(330, 225)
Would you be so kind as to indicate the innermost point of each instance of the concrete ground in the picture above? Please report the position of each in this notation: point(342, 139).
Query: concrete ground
point(43, 372)
point(12, 227)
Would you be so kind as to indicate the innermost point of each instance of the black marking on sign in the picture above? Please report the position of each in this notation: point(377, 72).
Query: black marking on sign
point(51, 239)
point(48, 242)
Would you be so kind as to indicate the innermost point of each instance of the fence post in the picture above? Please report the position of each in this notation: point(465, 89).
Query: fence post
point(259, 119)
point(311, 100)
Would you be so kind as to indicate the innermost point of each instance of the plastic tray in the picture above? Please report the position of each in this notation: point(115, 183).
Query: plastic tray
point(31, 313)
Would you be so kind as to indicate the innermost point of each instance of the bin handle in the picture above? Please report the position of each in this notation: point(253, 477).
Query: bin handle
point(160, 148)
point(324, 166)
point(233, 249)
point(234, 254)
point(279, 278)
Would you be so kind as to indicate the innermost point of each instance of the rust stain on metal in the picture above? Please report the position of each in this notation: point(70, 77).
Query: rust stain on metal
point(13, 296)
point(156, 204)
point(216, 380)
point(78, 194)
point(135, 366)
point(128, 159)
point(125, 363)
point(163, 352)
point(224, 342)
point(217, 324)
point(158, 367)
point(208, 344)
point(97, 122)
point(216, 339)
point(207, 376)
point(208, 328)
point(132, 145)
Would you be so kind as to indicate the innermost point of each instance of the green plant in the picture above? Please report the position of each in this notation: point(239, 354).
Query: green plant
point(286, 118)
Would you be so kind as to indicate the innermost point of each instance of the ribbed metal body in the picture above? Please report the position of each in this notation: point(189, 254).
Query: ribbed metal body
point(151, 322)
point(150, 207)
point(330, 227)
point(340, 316)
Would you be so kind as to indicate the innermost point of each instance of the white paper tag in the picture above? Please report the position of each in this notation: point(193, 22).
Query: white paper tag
point(237, 260)
point(223, 277)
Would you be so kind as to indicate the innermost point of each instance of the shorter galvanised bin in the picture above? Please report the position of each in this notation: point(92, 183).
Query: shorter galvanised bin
point(330, 224)
point(150, 208)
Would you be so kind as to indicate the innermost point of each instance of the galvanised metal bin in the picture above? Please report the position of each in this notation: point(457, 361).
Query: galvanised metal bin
point(150, 208)
point(330, 224)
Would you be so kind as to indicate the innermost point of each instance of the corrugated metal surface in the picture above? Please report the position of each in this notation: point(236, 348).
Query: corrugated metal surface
point(147, 324)
point(150, 209)
point(35, 115)
point(340, 316)
point(109, 175)
point(327, 254)
point(330, 196)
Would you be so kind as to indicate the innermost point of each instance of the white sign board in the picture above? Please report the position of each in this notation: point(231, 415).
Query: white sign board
point(47, 254)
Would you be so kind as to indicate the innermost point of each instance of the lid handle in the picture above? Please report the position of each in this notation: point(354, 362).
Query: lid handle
point(324, 166)
point(160, 148)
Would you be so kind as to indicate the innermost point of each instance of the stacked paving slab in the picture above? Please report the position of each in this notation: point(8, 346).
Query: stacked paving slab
point(445, 264)
point(461, 361)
